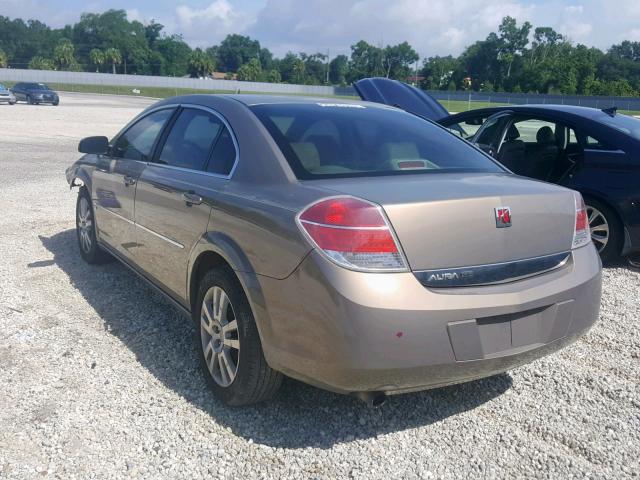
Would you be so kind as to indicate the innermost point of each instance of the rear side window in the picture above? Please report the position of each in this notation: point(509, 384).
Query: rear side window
point(137, 142)
point(189, 143)
point(224, 154)
point(326, 140)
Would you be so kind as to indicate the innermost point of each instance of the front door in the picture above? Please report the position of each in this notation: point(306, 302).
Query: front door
point(116, 177)
point(175, 193)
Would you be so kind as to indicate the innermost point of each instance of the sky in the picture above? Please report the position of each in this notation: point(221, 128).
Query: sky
point(432, 27)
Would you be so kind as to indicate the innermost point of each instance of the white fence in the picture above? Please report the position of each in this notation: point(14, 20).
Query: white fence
point(88, 78)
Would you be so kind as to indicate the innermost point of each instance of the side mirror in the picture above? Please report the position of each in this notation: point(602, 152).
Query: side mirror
point(95, 145)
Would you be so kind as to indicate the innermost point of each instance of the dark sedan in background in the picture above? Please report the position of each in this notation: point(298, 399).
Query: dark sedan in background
point(35, 93)
point(596, 152)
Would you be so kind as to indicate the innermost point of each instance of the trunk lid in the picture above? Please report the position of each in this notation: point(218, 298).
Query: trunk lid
point(401, 95)
point(448, 220)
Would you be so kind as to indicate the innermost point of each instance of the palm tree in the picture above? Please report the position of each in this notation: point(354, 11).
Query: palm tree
point(114, 56)
point(3, 59)
point(64, 54)
point(97, 58)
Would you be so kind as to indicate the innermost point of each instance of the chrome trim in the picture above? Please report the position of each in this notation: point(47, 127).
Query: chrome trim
point(116, 214)
point(166, 239)
point(342, 227)
point(491, 274)
point(231, 132)
point(185, 105)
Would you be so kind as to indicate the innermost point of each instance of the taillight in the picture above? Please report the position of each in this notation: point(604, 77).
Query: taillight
point(353, 233)
point(581, 232)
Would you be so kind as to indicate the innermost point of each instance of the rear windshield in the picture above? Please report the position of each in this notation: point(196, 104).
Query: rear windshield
point(326, 140)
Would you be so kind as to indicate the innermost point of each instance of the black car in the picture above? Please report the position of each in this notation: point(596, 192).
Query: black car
point(35, 93)
point(596, 152)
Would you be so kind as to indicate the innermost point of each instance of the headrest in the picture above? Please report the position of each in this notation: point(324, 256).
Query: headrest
point(512, 133)
point(545, 135)
point(308, 154)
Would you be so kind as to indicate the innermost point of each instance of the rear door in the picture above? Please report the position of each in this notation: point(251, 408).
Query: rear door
point(176, 191)
point(116, 176)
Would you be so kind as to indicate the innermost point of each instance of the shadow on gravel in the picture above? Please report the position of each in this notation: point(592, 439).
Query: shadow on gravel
point(300, 416)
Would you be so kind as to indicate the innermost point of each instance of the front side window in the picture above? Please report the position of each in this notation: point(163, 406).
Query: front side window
point(326, 140)
point(190, 140)
point(137, 142)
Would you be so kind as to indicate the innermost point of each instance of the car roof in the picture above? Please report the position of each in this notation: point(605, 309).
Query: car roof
point(257, 99)
point(559, 112)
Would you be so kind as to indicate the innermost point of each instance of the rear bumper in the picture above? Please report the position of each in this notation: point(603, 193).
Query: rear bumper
point(349, 331)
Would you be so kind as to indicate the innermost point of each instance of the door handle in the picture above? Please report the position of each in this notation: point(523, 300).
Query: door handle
point(129, 180)
point(192, 198)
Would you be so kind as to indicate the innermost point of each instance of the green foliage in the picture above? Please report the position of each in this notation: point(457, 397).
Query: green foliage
point(64, 55)
point(97, 58)
point(338, 70)
point(235, 51)
point(199, 64)
point(504, 61)
point(114, 57)
point(250, 71)
point(41, 63)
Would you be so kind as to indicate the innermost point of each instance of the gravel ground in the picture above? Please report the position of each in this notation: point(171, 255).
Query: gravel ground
point(99, 377)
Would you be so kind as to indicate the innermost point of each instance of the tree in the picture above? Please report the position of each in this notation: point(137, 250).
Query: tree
point(235, 51)
point(338, 70)
point(41, 63)
point(199, 64)
point(250, 71)
point(366, 61)
point(113, 56)
point(64, 55)
point(438, 72)
point(398, 59)
point(513, 40)
point(97, 58)
point(272, 76)
point(174, 53)
point(4, 60)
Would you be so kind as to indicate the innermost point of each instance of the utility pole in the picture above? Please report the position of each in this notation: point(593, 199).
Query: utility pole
point(328, 56)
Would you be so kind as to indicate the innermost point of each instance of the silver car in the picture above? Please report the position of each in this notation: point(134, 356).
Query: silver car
point(6, 95)
point(350, 245)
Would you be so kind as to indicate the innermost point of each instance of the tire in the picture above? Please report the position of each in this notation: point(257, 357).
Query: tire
point(56, 103)
point(12, 103)
point(86, 231)
point(30, 100)
point(602, 216)
point(252, 380)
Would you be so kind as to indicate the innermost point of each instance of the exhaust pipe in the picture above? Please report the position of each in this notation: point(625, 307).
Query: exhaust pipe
point(373, 399)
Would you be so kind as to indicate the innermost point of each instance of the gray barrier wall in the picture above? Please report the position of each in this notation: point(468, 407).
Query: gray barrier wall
point(88, 78)
point(623, 103)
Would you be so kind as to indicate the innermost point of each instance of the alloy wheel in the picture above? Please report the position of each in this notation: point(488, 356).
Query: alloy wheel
point(219, 336)
point(599, 228)
point(85, 224)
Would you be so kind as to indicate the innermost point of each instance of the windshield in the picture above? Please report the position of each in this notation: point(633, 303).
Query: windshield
point(624, 123)
point(38, 86)
point(326, 140)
